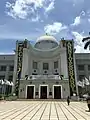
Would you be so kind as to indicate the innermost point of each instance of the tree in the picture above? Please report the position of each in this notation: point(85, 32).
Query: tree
point(87, 42)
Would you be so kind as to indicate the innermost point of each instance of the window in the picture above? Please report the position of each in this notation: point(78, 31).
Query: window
point(81, 77)
point(2, 77)
point(3, 68)
point(34, 65)
point(10, 78)
point(45, 66)
point(80, 67)
point(55, 64)
point(89, 67)
point(11, 68)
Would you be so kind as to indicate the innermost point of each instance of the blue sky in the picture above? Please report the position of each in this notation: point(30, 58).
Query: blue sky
point(20, 19)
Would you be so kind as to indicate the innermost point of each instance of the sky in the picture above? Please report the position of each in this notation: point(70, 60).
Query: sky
point(30, 19)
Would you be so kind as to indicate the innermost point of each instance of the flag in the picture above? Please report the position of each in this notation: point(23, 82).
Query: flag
point(7, 82)
point(81, 84)
point(86, 81)
point(11, 84)
point(2, 82)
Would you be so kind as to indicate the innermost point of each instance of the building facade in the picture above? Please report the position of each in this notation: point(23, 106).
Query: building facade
point(83, 70)
point(49, 69)
point(6, 72)
point(45, 70)
point(6, 67)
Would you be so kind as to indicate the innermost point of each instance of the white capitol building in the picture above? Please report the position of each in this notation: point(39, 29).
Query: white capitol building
point(45, 70)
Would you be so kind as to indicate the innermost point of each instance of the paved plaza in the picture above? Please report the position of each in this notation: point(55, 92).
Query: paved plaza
point(43, 110)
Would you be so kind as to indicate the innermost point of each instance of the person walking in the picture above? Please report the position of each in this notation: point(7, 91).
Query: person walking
point(68, 100)
point(88, 102)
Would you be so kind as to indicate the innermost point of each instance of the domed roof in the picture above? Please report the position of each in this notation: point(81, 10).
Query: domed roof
point(46, 42)
point(46, 37)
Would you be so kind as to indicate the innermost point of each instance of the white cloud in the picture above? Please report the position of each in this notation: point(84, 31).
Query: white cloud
point(28, 8)
point(35, 19)
point(77, 21)
point(89, 20)
point(75, 2)
point(55, 28)
point(50, 7)
point(7, 53)
point(79, 45)
point(82, 13)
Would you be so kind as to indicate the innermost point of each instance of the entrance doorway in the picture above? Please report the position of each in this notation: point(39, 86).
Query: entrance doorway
point(43, 90)
point(57, 92)
point(30, 92)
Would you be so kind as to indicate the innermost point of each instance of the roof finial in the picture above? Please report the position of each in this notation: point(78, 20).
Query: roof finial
point(47, 34)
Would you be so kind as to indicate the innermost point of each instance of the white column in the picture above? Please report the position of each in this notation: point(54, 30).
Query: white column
point(64, 69)
point(15, 66)
point(40, 67)
point(59, 66)
point(51, 67)
point(15, 71)
point(24, 63)
point(7, 72)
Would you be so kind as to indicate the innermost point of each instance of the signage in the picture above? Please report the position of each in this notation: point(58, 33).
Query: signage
point(21, 45)
point(70, 61)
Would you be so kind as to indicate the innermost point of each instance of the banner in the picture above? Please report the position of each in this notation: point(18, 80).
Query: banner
point(21, 45)
point(70, 62)
point(86, 81)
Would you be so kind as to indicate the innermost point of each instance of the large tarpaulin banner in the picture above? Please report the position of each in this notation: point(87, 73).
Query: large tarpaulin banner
point(21, 45)
point(70, 62)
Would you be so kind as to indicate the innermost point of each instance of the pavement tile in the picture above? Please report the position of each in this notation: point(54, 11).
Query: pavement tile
point(43, 110)
point(53, 118)
point(44, 119)
point(26, 118)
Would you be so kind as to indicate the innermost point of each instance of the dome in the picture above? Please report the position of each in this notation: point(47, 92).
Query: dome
point(46, 42)
point(46, 37)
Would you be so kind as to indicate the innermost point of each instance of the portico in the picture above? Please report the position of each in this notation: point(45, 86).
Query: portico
point(44, 70)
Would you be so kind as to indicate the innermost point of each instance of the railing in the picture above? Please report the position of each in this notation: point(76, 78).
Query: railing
point(55, 77)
